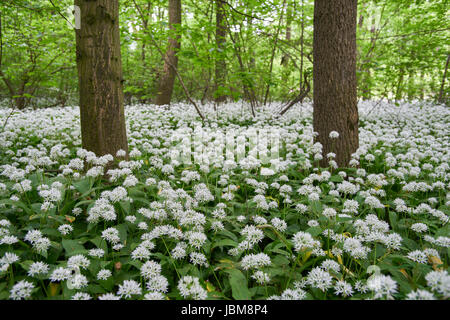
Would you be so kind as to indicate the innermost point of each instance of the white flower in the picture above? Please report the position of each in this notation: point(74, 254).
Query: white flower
point(150, 269)
point(383, 286)
point(21, 290)
point(111, 235)
point(81, 296)
point(319, 278)
point(60, 274)
point(78, 261)
point(121, 153)
point(261, 277)
point(104, 274)
point(65, 229)
point(343, 288)
point(304, 240)
point(198, 258)
point(420, 295)
point(419, 227)
point(140, 253)
point(417, 256)
point(190, 287)
point(157, 283)
point(129, 288)
point(331, 265)
point(255, 261)
point(96, 252)
point(38, 268)
point(439, 281)
point(9, 258)
point(154, 296)
point(108, 296)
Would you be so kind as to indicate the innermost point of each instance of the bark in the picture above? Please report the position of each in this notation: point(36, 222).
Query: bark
point(221, 66)
point(103, 129)
point(399, 91)
point(285, 58)
point(441, 98)
point(167, 80)
point(302, 28)
point(266, 96)
point(335, 95)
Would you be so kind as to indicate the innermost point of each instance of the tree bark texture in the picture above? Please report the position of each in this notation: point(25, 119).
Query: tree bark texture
point(220, 66)
point(335, 83)
point(103, 128)
point(441, 98)
point(167, 80)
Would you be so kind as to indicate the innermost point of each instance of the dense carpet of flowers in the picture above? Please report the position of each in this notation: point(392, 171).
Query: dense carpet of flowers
point(74, 226)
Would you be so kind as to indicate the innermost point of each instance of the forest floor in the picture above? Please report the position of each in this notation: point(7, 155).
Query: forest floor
point(234, 208)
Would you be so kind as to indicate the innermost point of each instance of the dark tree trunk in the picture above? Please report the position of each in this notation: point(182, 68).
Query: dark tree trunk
point(167, 80)
point(441, 98)
point(335, 96)
point(302, 31)
point(399, 91)
point(103, 129)
point(285, 58)
point(221, 66)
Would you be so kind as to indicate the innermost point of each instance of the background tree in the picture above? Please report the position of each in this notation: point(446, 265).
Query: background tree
point(392, 35)
point(99, 64)
point(335, 100)
point(220, 65)
point(165, 88)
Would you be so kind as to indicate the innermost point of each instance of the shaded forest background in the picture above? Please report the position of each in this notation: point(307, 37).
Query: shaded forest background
point(252, 50)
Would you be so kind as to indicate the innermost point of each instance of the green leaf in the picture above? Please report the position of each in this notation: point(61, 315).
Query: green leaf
point(223, 243)
point(393, 218)
point(82, 186)
point(122, 232)
point(100, 243)
point(17, 204)
point(73, 247)
point(238, 283)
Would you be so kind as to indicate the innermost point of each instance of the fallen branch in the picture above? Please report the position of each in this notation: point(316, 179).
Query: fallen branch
point(299, 98)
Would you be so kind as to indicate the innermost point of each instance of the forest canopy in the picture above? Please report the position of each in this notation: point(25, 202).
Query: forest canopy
point(402, 50)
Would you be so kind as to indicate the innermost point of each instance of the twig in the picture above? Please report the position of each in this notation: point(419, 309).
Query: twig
point(242, 13)
point(179, 78)
point(57, 10)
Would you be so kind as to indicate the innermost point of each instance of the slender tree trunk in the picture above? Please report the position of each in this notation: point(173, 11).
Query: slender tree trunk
point(399, 91)
point(103, 129)
point(441, 91)
point(335, 96)
point(166, 83)
point(422, 87)
point(285, 58)
point(266, 96)
point(302, 31)
point(221, 66)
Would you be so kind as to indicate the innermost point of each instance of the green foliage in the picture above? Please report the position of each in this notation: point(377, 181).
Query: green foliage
point(401, 49)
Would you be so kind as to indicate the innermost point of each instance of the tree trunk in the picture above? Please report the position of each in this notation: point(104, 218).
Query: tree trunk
point(103, 129)
point(221, 66)
point(441, 98)
point(302, 31)
point(285, 58)
point(399, 91)
point(335, 96)
point(167, 80)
